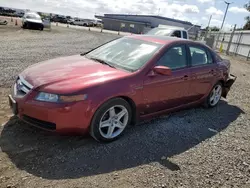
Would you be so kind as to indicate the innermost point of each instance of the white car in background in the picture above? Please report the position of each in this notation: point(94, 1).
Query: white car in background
point(32, 20)
point(46, 23)
point(80, 22)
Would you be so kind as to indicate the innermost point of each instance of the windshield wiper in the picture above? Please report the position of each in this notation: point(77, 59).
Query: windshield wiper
point(102, 62)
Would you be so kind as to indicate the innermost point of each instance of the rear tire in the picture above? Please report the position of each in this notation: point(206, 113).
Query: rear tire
point(214, 96)
point(110, 120)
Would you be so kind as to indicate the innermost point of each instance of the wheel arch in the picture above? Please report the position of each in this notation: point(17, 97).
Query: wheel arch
point(129, 100)
point(222, 82)
point(133, 108)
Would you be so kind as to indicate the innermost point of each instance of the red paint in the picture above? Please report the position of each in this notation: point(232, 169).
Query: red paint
point(152, 93)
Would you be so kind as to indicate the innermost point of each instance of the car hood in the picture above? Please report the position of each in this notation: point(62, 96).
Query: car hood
point(34, 21)
point(70, 74)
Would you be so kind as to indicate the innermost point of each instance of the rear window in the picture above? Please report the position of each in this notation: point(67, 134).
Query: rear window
point(184, 34)
point(176, 34)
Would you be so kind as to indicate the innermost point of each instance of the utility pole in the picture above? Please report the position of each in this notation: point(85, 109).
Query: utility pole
point(205, 37)
point(225, 14)
point(230, 40)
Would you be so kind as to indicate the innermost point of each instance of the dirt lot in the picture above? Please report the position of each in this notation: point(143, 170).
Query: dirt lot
point(193, 148)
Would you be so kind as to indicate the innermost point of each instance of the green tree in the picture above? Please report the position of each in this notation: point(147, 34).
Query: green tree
point(214, 28)
point(247, 25)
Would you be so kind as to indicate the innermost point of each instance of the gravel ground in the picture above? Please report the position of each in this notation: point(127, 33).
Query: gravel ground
point(192, 148)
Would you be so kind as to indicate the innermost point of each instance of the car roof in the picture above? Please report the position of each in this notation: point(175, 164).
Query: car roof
point(164, 39)
point(157, 38)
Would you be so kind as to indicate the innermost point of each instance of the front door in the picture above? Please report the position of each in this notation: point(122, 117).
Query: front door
point(162, 92)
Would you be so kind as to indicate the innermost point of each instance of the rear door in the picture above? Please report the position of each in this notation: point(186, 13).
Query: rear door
point(203, 71)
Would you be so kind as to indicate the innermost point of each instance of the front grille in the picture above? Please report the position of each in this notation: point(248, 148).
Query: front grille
point(39, 123)
point(22, 87)
point(35, 25)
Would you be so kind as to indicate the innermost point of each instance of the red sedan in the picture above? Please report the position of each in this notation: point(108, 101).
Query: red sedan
point(119, 83)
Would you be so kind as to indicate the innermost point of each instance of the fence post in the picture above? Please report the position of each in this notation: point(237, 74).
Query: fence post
point(248, 55)
point(239, 41)
point(218, 38)
point(230, 40)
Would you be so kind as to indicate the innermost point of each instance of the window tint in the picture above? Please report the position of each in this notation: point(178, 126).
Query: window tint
point(199, 56)
point(176, 34)
point(184, 34)
point(174, 58)
point(209, 57)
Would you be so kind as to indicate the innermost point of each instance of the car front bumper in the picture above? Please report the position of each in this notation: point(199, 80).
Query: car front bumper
point(71, 118)
point(226, 87)
point(34, 25)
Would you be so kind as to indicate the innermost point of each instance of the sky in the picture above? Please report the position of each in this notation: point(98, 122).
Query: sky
point(195, 11)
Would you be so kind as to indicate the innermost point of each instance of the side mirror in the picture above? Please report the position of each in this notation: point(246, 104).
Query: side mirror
point(163, 70)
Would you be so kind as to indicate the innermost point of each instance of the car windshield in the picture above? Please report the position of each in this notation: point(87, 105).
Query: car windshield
point(125, 53)
point(33, 16)
point(159, 31)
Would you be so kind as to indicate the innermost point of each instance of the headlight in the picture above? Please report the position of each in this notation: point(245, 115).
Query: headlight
point(48, 97)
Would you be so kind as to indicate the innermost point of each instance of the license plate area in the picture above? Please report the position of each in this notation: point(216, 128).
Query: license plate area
point(13, 105)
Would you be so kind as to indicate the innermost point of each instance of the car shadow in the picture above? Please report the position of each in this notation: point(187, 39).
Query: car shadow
point(51, 156)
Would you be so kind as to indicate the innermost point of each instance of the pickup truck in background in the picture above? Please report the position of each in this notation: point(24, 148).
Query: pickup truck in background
point(165, 30)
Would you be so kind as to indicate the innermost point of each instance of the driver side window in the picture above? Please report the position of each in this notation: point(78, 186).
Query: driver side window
point(174, 58)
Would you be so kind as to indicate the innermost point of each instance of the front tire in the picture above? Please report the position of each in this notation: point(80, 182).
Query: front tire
point(214, 96)
point(110, 120)
point(24, 25)
point(41, 28)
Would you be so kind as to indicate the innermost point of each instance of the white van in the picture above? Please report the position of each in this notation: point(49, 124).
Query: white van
point(172, 31)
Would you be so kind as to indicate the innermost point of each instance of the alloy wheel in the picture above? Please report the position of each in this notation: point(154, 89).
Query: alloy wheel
point(215, 95)
point(113, 121)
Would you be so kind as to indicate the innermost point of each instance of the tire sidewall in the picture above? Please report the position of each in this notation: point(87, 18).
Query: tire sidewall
point(94, 127)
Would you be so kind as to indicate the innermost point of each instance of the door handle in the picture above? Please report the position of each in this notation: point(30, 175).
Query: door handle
point(185, 77)
point(212, 72)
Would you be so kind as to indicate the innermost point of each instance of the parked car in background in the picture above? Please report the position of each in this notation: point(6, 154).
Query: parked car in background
point(46, 23)
point(59, 19)
point(169, 31)
point(80, 22)
point(120, 83)
point(99, 24)
point(3, 22)
point(32, 20)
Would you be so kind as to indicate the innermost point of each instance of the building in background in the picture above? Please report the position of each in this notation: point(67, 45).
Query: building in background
point(142, 23)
